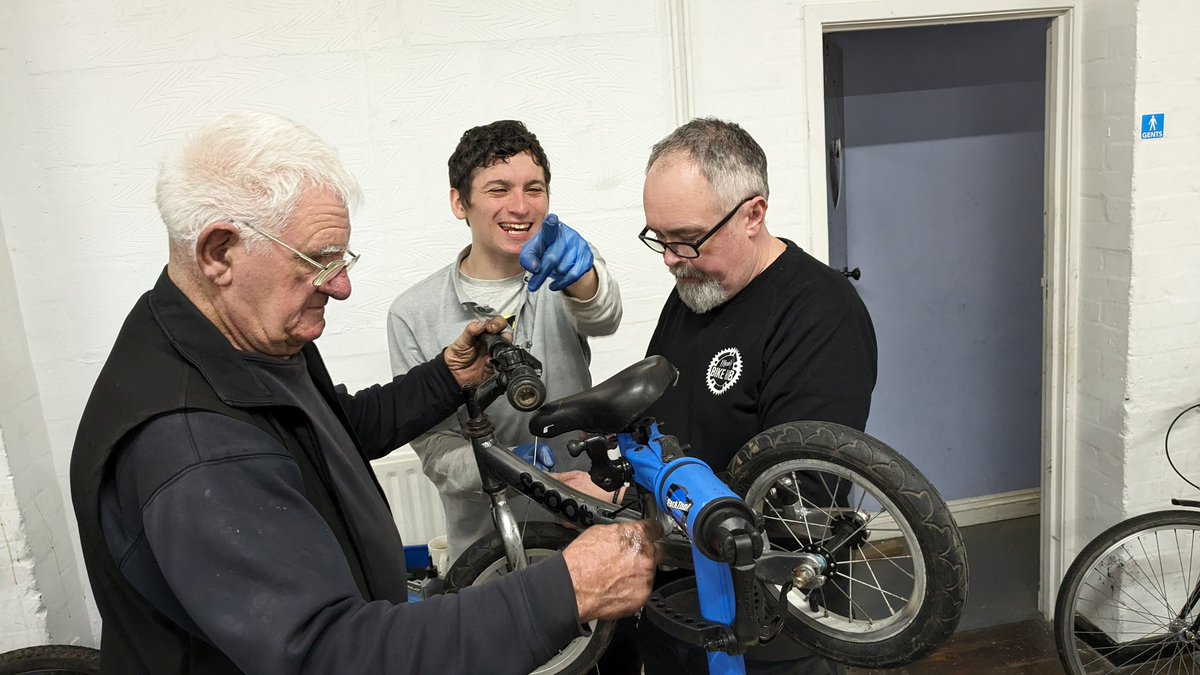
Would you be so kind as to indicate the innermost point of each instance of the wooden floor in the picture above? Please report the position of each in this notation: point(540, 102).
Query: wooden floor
point(1024, 648)
point(1001, 630)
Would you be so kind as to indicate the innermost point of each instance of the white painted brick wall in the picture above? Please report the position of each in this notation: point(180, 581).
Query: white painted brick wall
point(94, 92)
point(1138, 358)
point(38, 468)
point(22, 614)
point(748, 66)
point(43, 596)
point(1164, 312)
point(1108, 50)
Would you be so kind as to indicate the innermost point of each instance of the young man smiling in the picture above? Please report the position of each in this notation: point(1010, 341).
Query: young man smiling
point(500, 186)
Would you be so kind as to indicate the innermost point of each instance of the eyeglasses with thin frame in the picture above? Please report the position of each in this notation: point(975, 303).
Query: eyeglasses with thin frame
point(689, 249)
point(326, 272)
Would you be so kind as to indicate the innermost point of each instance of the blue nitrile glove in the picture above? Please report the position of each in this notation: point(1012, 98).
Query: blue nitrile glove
point(537, 454)
point(556, 252)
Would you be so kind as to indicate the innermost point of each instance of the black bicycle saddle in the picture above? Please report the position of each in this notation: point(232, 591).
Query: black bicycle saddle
point(610, 406)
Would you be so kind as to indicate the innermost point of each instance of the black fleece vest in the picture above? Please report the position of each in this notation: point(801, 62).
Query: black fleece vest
point(168, 357)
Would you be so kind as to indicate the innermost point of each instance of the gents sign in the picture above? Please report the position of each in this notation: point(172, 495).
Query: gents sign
point(1152, 125)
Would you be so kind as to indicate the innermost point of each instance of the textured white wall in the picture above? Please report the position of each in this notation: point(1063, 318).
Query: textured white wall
point(95, 92)
point(23, 619)
point(1164, 299)
point(22, 612)
point(92, 93)
point(1139, 358)
point(1107, 133)
point(41, 589)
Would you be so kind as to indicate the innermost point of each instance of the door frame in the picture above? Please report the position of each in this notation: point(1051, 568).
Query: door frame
point(1061, 221)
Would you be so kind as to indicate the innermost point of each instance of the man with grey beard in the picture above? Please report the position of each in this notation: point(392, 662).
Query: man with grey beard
point(762, 333)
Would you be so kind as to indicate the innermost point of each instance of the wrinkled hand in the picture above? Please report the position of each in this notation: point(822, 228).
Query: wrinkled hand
point(466, 356)
point(556, 252)
point(612, 568)
point(536, 454)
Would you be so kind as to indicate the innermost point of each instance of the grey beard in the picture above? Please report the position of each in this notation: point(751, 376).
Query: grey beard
point(701, 296)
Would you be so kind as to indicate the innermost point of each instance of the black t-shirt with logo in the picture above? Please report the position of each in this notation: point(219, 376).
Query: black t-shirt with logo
point(795, 344)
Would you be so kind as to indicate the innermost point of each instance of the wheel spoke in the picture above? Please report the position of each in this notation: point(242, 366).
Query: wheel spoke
point(890, 559)
point(1162, 568)
point(851, 587)
point(1143, 611)
point(883, 592)
point(1151, 593)
point(853, 605)
point(787, 520)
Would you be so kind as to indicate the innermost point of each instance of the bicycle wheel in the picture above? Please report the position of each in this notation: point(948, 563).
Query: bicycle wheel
point(51, 660)
point(1129, 602)
point(485, 560)
point(899, 583)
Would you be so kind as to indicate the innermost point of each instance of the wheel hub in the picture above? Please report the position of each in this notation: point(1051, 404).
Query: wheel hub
point(850, 529)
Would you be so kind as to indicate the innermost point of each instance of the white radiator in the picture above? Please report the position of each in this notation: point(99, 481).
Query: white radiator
point(413, 498)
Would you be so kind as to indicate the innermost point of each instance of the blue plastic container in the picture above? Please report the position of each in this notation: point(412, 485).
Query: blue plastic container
point(416, 557)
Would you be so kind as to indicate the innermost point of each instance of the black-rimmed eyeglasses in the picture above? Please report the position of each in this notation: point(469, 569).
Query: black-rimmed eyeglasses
point(326, 272)
point(689, 249)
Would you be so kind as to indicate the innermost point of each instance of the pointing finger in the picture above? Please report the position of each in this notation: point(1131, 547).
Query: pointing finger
point(550, 230)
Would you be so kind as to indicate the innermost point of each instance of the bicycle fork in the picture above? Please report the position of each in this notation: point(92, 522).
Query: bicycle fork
point(480, 430)
point(510, 532)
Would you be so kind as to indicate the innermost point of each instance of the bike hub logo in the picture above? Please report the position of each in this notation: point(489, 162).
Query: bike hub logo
point(679, 503)
point(724, 370)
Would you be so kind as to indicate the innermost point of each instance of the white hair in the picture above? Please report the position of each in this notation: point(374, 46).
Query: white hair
point(253, 167)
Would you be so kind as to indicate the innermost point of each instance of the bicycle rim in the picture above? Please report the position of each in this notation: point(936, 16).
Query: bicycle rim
point(1132, 606)
point(879, 583)
point(576, 647)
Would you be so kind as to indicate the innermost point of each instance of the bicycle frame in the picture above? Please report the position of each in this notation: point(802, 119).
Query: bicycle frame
point(723, 536)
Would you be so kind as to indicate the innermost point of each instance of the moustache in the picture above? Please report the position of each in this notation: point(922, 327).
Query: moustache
point(684, 271)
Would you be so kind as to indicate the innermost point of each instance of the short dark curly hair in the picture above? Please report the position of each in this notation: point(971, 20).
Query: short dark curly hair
point(483, 146)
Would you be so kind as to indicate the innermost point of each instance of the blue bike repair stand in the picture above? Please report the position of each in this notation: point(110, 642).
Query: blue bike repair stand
point(715, 588)
point(681, 489)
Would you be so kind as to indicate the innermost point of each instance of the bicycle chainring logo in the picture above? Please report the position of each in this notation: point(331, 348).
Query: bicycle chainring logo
point(724, 370)
point(679, 503)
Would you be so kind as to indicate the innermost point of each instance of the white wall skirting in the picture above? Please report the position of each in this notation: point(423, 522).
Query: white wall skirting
point(1001, 506)
point(979, 510)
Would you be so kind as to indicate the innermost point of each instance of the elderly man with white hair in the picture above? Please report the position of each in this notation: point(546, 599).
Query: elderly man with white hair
point(229, 518)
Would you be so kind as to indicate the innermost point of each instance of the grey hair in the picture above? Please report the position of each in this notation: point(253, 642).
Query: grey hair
point(253, 167)
point(728, 157)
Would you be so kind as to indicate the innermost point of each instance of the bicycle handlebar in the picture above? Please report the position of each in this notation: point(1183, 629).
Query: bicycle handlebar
point(519, 372)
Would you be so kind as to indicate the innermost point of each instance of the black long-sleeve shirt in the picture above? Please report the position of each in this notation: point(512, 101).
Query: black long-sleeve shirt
point(207, 517)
